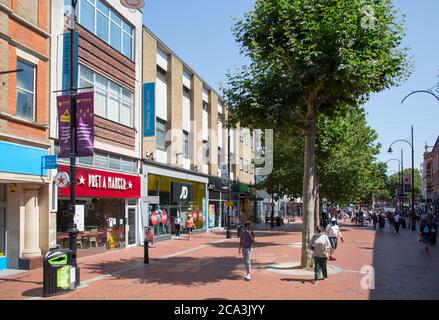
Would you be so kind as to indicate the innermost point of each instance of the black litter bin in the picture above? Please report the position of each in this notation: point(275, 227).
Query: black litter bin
point(278, 221)
point(57, 267)
point(239, 230)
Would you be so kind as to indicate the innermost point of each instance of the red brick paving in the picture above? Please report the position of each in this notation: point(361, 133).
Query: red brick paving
point(210, 267)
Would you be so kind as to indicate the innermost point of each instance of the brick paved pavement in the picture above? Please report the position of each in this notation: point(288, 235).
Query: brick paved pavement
point(209, 267)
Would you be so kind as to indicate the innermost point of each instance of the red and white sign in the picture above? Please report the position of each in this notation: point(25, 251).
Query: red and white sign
point(194, 215)
point(103, 184)
point(154, 218)
point(164, 217)
point(200, 215)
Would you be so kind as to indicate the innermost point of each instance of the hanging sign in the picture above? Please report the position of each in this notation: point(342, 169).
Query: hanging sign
point(154, 218)
point(164, 217)
point(62, 180)
point(195, 215)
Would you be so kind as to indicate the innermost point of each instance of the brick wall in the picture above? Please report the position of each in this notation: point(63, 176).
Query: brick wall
point(114, 133)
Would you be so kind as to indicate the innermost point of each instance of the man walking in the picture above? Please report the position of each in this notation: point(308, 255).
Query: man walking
point(246, 244)
point(396, 222)
point(177, 222)
point(333, 232)
point(320, 245)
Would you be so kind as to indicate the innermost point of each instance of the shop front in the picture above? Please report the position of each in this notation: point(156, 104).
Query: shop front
point(217, 198)
point(172, 193)
point(106, 210)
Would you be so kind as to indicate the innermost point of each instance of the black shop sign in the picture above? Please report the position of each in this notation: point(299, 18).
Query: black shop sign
point(181, 192)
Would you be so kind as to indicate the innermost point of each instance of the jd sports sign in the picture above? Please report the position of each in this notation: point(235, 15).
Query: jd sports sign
point(181, 192)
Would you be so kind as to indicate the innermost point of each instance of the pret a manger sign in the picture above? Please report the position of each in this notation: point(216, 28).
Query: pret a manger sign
point(103, 184)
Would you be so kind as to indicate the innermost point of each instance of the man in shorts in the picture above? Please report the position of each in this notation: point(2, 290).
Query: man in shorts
point(333, 232)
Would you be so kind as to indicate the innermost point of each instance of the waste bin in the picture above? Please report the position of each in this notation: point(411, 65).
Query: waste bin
point(239, 230)
point(278, 221)
point(58, 273)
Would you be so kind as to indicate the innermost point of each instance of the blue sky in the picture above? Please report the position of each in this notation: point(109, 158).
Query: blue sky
point(199, 31)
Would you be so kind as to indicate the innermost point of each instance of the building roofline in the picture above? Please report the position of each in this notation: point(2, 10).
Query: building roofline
point(186, 66)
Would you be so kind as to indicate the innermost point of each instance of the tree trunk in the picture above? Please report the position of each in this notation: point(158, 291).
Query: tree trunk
point(317, 204)
point(309, 188)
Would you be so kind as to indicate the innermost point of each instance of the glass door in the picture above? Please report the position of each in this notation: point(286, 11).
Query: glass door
point(131, 226)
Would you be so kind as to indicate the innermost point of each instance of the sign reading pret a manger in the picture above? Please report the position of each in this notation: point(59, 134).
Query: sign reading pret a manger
point(103, 184)
point(181, 192)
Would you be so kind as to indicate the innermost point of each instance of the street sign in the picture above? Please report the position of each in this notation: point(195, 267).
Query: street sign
point(66, 68)
point(62, 180)
point(49, 162)
point(224, 169)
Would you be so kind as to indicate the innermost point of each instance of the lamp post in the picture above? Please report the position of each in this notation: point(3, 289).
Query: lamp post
point(413, 175)
point(229, 208)
point(400, 180)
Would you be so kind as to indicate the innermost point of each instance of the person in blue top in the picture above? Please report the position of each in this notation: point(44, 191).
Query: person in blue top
point(425, 231)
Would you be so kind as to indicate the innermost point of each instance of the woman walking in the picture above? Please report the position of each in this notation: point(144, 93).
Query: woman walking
point(381, 221)
point(190, 226)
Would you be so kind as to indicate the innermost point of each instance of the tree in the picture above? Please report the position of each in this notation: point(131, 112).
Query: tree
point(394, 180)
point(310, 57)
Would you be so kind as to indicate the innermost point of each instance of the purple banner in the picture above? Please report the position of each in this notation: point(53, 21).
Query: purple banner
point(63, 104)
point(84, 125)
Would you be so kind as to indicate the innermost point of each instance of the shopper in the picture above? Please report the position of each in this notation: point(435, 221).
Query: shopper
point(190, 226)
point(320, 245)
point(397, 222)
point(177, 223)
point(425, 233)
point(433, 235)
point(333, 232)
point(381, 221)
point(246, 244)
point(375, 220)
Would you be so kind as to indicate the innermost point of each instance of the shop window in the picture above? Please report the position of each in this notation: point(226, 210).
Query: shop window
point(25, 102)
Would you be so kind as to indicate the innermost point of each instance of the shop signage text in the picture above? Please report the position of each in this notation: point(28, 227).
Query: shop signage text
point(103, 184)
point(181, 192)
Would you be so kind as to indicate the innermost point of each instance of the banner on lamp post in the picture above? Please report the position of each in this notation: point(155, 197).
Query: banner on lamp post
point(84, 125)
point(63, 106)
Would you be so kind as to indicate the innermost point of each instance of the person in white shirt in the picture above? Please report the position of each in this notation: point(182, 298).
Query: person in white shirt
point(397, 222)
point(333, 232)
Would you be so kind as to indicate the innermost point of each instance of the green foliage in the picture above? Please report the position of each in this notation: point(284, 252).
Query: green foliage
point(393, 180)
point(312, 51)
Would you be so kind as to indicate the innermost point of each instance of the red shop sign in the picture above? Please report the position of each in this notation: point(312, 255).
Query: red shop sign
point(195, 215)
point(164, 217)
point(154, 218)
point(200, 215)
point(102, 184)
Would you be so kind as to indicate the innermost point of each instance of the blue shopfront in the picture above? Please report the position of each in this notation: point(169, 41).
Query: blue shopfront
point(24, 205)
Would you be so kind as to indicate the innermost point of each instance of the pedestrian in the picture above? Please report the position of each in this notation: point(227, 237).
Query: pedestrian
point(320, 245)
point(177, 223)
point(375, 220)
point(333, 232)
point(246, 244)
point(190, 226)
point(381, 221)
point(397, 222)
point(433, 236)
point(425, 233)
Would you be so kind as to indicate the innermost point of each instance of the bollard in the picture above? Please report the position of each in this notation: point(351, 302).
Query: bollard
point(145, 252)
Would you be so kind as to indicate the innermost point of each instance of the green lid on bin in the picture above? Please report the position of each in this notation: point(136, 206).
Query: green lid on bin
point(60, 260)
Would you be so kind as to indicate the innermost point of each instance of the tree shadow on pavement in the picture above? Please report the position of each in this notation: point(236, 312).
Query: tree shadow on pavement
point(297, 280)
point(186, 271)
point(225, 245)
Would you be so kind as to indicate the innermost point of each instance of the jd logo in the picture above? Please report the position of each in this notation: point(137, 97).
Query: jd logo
point(184, 193)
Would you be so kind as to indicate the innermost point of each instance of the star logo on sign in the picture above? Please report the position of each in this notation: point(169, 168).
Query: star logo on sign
point(81, 180)
point(130, 185)
point(61, 180)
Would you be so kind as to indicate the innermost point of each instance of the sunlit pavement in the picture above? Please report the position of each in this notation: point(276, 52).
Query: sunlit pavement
point(209, 267)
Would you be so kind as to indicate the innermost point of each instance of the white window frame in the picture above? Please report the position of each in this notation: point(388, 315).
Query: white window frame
point(120, 97)
point(185, 144)
point(34, 100)
point(95, 27)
